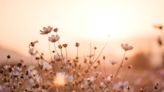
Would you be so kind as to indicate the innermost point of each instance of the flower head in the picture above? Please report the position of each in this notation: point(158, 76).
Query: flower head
point(77, 44)
point(126, 46)
point(46, 30)
point(55, 30)
point(32, 44)
point(46, 65)
point(54, 38)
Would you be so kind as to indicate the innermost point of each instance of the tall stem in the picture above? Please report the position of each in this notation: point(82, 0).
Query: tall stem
point(49, 48)
point(119, 68)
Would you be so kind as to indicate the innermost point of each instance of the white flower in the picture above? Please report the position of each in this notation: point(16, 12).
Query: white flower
point(35, 75)
point(32, 51)
point(46, 65)
point(108, 79)
point(126, 47)
point(54, 38)
point(46, 30)
point(17, 71)
point(102, 85)
point(33, 43)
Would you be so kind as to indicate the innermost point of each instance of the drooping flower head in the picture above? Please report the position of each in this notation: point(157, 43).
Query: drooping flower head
point(46, 30)
point(126, 47)
point(54, 38)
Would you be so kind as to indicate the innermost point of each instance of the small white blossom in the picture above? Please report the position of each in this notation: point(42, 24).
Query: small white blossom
point(54, 38)
point(46, 65)
point(102, 85)
point(46, 30)
point(126, 47)
point(108, 79)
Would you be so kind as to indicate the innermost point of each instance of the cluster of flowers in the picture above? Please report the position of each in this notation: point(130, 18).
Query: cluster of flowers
point(61, 73)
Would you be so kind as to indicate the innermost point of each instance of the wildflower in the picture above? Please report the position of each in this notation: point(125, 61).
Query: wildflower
point(46, 66)
point(60, 46)
point(108, 79)
point(65, 45)
point(46, 30)
point(77, 44)
point(126, 47)
point(33, 73)
point(32, 51)
point(32, 44)
point(54, 38)
point(55, 30)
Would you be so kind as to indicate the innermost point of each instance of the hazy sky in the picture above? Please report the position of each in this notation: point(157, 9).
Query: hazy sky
point(77, 20)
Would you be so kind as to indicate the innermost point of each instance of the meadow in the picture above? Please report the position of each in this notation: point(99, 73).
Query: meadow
point(93, 73)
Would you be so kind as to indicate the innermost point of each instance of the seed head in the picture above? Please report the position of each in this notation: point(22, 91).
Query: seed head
point(77, 44)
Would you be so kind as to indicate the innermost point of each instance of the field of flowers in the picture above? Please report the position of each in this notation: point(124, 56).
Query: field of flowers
point(61, 73)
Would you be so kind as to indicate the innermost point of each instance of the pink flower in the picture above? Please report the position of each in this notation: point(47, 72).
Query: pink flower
point(54, 38)
point(126, 47)
point(46, 30)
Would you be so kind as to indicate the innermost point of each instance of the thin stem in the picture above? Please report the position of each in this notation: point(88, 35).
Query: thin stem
point(56, 50)
point(119, 68)
point(90, 52)
point(99, 54)
point(77, 52)
point(61, 50)
point(66, 53)
point(49, 48)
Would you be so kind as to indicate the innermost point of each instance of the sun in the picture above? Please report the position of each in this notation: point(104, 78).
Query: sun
point(113, 24)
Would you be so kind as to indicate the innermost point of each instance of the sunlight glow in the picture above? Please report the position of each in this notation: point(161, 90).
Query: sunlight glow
point(59, 79)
